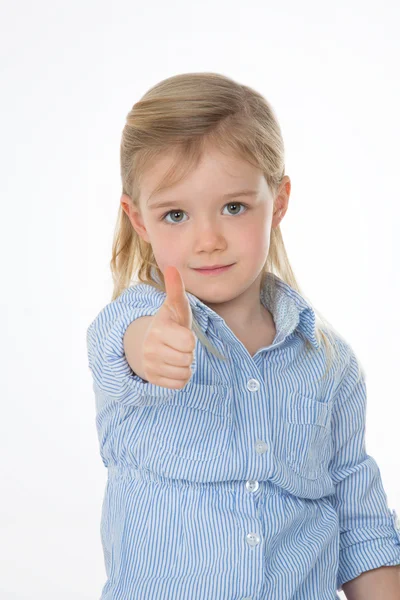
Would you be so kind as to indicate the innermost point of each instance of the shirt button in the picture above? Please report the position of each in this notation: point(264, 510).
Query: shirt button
point(253, 385)
point(252, 539)
point(397, 521)
point(261, 447)
point(252, 486)
point(248, 598)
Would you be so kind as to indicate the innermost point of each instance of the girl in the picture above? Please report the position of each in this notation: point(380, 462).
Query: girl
point(250, 480)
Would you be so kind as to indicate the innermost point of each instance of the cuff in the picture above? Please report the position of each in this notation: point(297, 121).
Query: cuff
point(365, 549)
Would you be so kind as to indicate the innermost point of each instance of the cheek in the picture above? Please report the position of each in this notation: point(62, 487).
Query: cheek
point(253, 244)
point(167, 250)
point(255, 236)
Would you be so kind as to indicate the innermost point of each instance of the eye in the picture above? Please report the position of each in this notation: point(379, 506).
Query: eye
point(176, 211)
point(237, 204)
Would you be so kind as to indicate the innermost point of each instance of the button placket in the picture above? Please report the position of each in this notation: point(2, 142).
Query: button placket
point(252, 538)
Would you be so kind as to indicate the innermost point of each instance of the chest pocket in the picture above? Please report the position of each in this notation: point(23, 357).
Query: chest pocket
point(195, 423)
point(307, 440)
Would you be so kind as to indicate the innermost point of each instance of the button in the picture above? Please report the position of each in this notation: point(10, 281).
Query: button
point(253, 385)
point(252, 486)
point(261, 447)
point(397, 520)
point(252, 539)
point(247, 598)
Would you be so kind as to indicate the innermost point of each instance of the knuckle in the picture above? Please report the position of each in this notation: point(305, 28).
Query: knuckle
point(149, 353)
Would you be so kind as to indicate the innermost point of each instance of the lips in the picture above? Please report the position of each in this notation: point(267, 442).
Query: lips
point(211, 268)
point(214, 271)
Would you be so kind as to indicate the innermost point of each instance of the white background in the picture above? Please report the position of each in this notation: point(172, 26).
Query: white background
point(70, 73)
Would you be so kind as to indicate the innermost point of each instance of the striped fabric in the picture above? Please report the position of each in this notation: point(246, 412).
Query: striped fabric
point(253, 481)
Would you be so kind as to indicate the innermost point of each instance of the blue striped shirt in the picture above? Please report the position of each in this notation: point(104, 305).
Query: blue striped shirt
point(251, 482)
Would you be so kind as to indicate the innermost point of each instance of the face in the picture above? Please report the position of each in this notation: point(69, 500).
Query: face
point(201, 226)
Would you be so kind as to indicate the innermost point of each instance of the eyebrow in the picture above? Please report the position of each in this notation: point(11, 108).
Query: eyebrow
point(224, 196)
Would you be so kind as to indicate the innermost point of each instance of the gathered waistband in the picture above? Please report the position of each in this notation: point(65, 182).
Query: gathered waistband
point(130, 472)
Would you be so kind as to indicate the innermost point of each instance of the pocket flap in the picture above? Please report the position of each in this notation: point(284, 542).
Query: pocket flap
point(303, 410)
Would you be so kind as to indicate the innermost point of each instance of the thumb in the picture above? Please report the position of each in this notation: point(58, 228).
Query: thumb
point(176, 298)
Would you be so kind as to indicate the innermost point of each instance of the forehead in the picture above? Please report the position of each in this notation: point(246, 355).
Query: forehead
point(214, 173)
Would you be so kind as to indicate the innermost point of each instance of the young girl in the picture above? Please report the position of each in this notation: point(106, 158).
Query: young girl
point(231, 418)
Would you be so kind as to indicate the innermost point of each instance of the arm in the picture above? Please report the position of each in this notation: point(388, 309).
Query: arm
point(133, 344)
point(369, 533)
point(378, 584)
point(113, 377)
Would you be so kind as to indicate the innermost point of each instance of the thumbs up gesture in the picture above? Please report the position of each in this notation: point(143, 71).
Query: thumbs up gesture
point(169, 343)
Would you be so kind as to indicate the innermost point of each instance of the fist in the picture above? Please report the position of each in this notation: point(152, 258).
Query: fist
point(169, 343)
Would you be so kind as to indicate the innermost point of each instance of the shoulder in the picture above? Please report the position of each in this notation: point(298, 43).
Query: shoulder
point(138, 296)
point(111, 322)
point(347, 362)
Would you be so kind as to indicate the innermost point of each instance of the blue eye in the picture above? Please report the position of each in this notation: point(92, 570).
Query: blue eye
point(163, 218)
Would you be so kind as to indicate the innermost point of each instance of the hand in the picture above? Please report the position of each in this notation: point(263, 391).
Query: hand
point(169, 342)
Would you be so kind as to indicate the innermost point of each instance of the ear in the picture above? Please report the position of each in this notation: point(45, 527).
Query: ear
point(135, 217)
point(281, 202)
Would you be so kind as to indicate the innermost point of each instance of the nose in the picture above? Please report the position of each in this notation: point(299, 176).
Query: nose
point(208, 235)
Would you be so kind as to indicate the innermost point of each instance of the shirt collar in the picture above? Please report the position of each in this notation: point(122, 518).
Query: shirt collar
point(290, 310)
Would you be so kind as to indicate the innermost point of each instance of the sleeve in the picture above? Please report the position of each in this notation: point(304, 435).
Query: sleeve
point(369, 530)
point(111, 372)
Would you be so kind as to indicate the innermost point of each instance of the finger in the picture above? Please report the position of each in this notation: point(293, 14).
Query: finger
point(167, 355)
point(176, 297)
point(177, 337)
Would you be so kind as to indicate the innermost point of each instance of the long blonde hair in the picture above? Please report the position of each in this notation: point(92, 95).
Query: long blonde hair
point(182, 114)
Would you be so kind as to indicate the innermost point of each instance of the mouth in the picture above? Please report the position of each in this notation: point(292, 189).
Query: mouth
point(214, 271)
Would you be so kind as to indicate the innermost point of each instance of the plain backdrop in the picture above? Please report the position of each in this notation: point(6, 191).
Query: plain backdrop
point(70, 73)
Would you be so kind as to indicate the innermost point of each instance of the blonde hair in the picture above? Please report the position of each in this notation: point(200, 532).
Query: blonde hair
point(181, 115)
